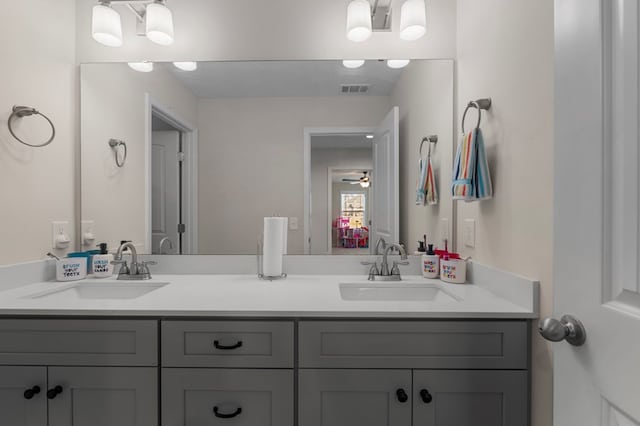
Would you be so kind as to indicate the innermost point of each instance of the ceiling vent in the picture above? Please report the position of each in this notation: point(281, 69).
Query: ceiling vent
point(354, 89)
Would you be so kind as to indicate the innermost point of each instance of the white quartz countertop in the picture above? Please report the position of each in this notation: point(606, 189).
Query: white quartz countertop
point(247, 296)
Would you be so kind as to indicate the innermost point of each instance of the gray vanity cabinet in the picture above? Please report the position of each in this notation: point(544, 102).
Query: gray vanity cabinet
point(22, 396)
point(354, 397)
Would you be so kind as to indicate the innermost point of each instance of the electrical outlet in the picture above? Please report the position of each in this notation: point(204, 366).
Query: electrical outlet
point(87, 233)
point(444, 229)
point(293, 223)
point(469, 233)
point(60, 234)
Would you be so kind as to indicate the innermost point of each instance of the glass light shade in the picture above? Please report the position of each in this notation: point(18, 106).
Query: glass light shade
point(413, 20)
point(159, 24)
point(397, 63)
point(141, 66)
point(365, 184)
point(186, 66)
point(106, 27)
point(359, 20)
point(353, 63)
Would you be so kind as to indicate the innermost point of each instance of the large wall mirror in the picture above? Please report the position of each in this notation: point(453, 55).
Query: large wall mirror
point(189, 162)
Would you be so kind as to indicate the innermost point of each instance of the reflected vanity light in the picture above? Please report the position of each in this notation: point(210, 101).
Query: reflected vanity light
point(106, 27)
point(397, 63)
point(413, 20)
point(145, 66)
point(353, 63)
point(369, 136)
point(186, 66)
point(159, 24)
point(359, 20)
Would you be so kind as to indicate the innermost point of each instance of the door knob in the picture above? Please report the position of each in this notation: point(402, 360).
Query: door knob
point(568, 328)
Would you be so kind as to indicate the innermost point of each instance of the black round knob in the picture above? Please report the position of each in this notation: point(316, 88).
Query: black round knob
point(30, 393)
point(52, 393)
point(426, 396)
point(402, 395)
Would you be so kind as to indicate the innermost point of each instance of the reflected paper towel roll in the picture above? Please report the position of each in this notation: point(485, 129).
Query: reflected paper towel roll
point(274, 245)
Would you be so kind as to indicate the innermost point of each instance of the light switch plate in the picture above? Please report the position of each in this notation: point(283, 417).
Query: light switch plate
point(293, 223)
point(469, 233)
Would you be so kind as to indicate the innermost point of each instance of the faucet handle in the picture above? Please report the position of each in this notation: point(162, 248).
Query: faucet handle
point(395, 270)
point(144, 267)
point(124, 269)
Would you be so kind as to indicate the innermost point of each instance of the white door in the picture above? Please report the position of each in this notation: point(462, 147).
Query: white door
point(165, 207)
point(596, 211)
point(384, 181)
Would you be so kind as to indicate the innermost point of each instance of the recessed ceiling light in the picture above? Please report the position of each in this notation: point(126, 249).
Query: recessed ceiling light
point(186, 66)
point(397, 63)
point(369, 136)
point(141, 66)
point(353, 63)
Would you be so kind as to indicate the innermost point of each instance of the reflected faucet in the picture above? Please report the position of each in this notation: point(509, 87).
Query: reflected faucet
point(165, 240)
point(137, 271)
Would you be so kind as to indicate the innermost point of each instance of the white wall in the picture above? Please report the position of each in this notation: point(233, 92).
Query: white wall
point(321, 161)
point(113, 106)
point(37, 185)
point(505, 51)
point(251, 162)
point(276, 29)
point(424, 94)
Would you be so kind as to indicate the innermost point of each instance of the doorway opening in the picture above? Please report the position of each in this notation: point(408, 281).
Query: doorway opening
point(171, 183)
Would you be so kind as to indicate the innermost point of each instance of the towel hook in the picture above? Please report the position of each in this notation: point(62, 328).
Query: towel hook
point(115, 144)
point(431, 139)
point(479, 104)
point(25, 111)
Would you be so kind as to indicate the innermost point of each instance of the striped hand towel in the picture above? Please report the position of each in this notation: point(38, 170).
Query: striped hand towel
point(430, 185)
point(426, 192)
point(471, 178)
point(421, 182)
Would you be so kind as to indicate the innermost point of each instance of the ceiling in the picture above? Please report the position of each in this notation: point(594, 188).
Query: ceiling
point(284, 78)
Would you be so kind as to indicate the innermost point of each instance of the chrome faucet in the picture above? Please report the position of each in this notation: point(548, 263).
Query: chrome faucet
point(383, 273)
point(137, 270)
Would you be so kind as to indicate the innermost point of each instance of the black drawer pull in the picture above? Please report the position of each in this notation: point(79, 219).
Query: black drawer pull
point(402, 395)
point(52, 393)
point(30, 393)
point(217, 345)
point(218, 414)
point(426, 396)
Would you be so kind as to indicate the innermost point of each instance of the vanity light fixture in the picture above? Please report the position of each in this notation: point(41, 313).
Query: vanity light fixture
point(353, 63)
point(359, 20)
point(397, 63)
point(106, 27)
point(154, 19)
point(413, 20)
point(145, 66)
point(186, 66)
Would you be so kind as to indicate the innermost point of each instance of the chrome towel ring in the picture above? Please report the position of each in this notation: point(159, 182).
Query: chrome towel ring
point(431, 139)
point(479, 104)
point(115, 144)
point(25, 111)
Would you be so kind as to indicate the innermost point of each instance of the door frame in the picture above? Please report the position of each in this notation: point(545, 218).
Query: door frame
point(308, 133)
point(190, 182)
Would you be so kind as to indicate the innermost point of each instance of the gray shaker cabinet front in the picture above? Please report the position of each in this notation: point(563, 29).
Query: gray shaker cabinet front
point(22, 396)
point(354, 398)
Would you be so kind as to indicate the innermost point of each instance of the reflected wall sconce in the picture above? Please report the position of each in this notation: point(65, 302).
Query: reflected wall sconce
point(363, 19)
point(154, 20)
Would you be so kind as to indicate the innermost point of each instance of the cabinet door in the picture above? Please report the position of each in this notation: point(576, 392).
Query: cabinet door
point(17, 406)
point(103, 396)
point(354, 397)
point(229, 397)
point(470, 398)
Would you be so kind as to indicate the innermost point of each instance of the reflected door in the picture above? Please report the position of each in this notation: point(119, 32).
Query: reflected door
point(165, 192)
point(597, 211)
point(384, 187)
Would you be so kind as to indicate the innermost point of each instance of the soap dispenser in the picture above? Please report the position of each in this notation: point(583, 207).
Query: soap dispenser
point(102, 266)
point(430, 263)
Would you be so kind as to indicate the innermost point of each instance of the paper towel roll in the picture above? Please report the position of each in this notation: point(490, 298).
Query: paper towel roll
point(274, 246)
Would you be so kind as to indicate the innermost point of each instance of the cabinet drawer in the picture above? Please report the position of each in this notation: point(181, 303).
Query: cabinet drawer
point(413, 344)
point(78, 342)
point(227, 344)
point(195, 397)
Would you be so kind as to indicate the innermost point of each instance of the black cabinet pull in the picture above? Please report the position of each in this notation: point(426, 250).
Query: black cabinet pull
point(402, 395)
point(52, 393)
point(30, 393)
point(217, 413)
point(217, 345)
point(426, 396)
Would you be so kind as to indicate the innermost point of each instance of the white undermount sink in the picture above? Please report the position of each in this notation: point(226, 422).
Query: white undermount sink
point(395, 291)
point(98, 289)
